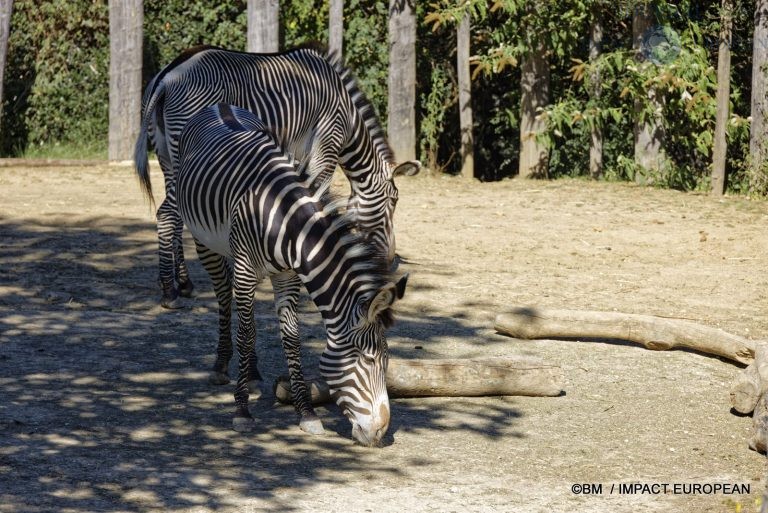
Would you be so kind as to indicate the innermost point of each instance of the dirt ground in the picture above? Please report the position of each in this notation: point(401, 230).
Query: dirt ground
point(105, 405)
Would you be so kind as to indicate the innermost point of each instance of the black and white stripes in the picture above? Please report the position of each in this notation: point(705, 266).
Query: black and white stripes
point(242, 198)
point(316, 111)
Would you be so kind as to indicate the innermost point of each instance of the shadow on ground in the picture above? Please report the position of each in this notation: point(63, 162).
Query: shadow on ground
point(106, 406)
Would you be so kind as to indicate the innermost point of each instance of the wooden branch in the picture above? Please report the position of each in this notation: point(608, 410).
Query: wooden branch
point(454, 378)
point(657, 333)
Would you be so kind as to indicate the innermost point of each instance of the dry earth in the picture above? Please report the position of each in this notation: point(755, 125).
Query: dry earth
point(105, 404)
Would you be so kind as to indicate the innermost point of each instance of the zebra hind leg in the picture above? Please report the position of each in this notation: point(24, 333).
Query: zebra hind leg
point(186, 287)
point(166, 215)
point(221, 276)
point(287, 288)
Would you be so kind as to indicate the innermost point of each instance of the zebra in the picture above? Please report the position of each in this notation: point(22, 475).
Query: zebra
point(312, 103)
point(242, 198)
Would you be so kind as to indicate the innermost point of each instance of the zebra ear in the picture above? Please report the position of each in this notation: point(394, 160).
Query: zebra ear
point(384, 299)
point(407, 168)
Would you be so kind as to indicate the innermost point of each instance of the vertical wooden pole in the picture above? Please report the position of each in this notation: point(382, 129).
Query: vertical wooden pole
point(401, 121)
point(596, 133)
point(649, 130)
point(534, 89)
point(465, 97)
point(336, 27)
point(6, 8)
point(758, 137)
point(125, 60)
point(263, 32)
point(722, 96)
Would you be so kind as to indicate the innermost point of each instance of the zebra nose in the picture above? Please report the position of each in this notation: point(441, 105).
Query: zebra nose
point(384, 420)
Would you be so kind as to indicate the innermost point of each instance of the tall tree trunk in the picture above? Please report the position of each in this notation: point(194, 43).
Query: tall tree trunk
point(6, 8)
point(596, 133)
point(723, 93)
point(263, 33)
point(534, 87)
point(465, 98)
point(125, 60)
point(401, 121)
point(758, 138)
point(649, 130)
point(336, 27)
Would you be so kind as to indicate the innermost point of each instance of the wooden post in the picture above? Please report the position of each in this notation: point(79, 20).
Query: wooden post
point(465, 97)
point(6, 9)
point(336, 27)
point(723, 92)
point(649, 130)
point(263, 33)
point(534, 88)
point(125, 60)
point(596, 133)
point(401, 121)
point(758, 137)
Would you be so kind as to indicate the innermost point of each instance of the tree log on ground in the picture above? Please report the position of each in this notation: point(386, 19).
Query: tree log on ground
point(657, 333)
point(752, 383)
point(454, 378)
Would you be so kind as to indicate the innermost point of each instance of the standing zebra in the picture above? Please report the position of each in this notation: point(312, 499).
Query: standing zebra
point(242, 198)
point(315, 109)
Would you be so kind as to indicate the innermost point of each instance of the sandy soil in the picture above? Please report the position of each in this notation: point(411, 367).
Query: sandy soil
point(105, 404)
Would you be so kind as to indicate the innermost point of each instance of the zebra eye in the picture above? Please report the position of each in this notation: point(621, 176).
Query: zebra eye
point(368, 359)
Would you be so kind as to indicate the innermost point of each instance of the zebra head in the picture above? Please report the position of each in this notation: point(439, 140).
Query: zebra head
point(373, 201)
point(355, 365)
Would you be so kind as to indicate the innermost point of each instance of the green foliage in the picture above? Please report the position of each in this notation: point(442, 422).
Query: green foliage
point(57, 71)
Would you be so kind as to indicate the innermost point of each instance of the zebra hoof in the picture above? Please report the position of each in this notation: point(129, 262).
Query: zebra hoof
point(312, 425)
point(186, 289)
point(218, 378)
point(243, 424)
point(254, 388)
point(171, 300)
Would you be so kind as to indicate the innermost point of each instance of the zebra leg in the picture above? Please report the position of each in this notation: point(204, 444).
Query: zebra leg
point(245, 289)
point(166, 219)
point(287, 287)
point(186, 287)
point(221, 276)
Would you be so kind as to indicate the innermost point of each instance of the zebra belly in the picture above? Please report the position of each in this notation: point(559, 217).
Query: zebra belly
point(216, 238)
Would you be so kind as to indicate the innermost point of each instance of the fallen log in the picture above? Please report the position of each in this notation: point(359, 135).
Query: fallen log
point(453, 378)
point(657, 333)
point(752, 383)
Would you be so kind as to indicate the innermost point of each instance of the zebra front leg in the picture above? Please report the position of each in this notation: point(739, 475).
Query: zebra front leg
point(221, 275)
point(287, 288)
point(166, 215)
point(245, 289)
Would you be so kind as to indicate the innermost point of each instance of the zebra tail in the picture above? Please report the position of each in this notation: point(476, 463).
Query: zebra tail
point(140, 155)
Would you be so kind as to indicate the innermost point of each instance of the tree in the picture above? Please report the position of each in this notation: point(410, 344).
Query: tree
point(649, 129)
point(758, 136)
point(336, 27)
point(263, 26)
point(534, 89)
point(125, 60)
point(6, 8)
point(723, 92)
point(465, 97)
point(401, 121)
point(596, 131)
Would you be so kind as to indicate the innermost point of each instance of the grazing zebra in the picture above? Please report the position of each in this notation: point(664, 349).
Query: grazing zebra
point(317, 112)
point(242, 198)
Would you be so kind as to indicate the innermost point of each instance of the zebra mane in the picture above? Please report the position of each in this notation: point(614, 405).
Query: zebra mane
point(362, 103)
point(372, 262)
